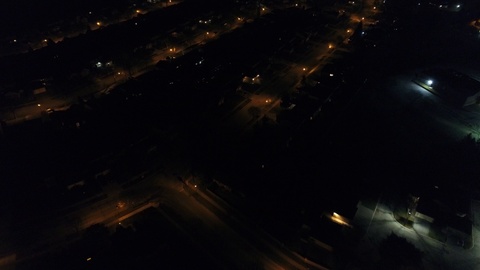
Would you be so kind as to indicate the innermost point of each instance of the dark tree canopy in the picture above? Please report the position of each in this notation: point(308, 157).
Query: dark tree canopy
point(397, 253)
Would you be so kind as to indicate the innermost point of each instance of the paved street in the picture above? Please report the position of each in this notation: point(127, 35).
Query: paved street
point(32, 110)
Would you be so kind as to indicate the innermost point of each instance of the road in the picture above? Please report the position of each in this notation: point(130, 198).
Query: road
point(310, 62)
point(33, 110)
point(228, 236)
point(182, 206)
point(187, 211)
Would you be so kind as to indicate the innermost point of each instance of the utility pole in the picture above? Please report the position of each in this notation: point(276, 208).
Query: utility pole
point(373, 215)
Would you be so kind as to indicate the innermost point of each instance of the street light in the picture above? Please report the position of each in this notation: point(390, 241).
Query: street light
point(115, 76)
point(429, 82)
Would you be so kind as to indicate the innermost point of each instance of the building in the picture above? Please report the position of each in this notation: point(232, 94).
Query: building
point(447, 211)
point(453, 86)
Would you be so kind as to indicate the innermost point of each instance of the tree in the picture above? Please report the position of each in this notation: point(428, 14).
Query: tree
point(398, 254)
point(96, 235)
point(255, 112)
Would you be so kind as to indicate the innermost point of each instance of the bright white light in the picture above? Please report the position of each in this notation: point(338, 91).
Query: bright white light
point(458, 6)
point(429, 82)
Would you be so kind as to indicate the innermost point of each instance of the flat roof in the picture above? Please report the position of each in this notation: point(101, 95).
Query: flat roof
point(456, 82)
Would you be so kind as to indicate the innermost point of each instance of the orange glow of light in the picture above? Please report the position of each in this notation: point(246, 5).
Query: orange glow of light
point(340, 220)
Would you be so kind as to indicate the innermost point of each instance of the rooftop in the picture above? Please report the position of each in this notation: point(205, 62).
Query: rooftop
point(449, 79)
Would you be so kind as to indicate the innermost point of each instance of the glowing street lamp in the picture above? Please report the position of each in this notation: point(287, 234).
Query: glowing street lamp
point(340, 220)
point(429, 82)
